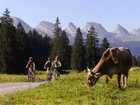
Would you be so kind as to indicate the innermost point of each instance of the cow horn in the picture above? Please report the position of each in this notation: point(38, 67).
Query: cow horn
point(97, 75)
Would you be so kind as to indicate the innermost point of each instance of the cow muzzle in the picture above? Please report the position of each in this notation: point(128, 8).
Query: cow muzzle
point(92, 78)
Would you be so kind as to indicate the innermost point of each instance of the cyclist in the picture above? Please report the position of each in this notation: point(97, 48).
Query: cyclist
point(47, 66)
point(31, 69)
point(56, 64)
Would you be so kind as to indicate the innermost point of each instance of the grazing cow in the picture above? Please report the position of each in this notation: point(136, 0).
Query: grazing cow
point(113, 61)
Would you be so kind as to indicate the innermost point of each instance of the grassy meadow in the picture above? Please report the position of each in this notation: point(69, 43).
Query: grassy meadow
point(71, 90)
point(40, 76)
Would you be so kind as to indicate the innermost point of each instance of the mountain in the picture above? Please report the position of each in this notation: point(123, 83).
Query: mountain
point(17, 20)
point(120, 37)
point(121, 31)
point(123, 35)
point(132, 45)
point(71, 31)
point(45, 27)
point(101, 31)
point(136, 31)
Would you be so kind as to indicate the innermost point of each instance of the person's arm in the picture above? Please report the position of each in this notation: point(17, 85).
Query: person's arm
point(59, 63)
point(53, 63)
point(27, 64)
point(45, 65)
point(33, 66)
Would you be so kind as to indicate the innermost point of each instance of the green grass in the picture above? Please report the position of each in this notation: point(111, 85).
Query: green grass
point(40, 76)
point(71, 90)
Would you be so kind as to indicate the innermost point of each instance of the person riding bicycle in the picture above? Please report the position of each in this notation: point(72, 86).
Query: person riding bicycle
point(56, 64)
point(47, 66)
point(31, 69)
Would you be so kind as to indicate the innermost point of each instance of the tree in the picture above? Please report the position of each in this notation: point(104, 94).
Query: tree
point(46, 52)
point(92, 48)
point(138, 61)
point(2, 47)
point(77, 59)
point(64, 50)
point(7, 43)
point(60, 45)
point(134, 61)
point(36, 49)
point(6, 19)
point(105, 45)
point(47, 41)
point(56, 39)
point(21, 49)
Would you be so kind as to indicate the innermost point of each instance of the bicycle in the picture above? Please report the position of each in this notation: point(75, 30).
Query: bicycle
point(31, 75)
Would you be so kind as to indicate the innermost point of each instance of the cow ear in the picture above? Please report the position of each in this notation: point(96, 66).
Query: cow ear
point(114, 54)
point(90, 74)
point(89, 71)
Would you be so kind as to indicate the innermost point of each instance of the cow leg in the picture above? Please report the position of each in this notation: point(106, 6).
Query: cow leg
point(125, 77)
point(119, 80)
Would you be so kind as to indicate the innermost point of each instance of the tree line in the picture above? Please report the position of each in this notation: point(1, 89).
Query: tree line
point(16, 46)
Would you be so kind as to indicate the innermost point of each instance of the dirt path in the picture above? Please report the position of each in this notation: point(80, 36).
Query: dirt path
point(19, 86)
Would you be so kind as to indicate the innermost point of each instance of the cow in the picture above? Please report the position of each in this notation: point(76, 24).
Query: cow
point(117, 60)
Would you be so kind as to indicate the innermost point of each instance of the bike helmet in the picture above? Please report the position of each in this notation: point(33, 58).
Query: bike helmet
point(30, 58)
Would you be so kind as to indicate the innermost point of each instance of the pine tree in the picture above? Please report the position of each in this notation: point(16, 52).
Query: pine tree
point(105, 45)
point(6, 19)
point(47, 43)
point(2, 47)
point(7, 43)
point(60, 45)
point(134, 63)
point(138, 61)
point(36, 48)
point(56, 39)
point(92, 48)
point(46, 52)
point(77, 59)
point(64, 50)
point(21, 49)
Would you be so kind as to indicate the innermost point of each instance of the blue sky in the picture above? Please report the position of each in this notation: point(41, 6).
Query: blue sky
point(109, 13)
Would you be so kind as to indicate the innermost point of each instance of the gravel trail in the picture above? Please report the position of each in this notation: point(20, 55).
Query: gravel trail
point(19, 86)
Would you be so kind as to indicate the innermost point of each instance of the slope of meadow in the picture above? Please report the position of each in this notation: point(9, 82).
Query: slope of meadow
point(71, 90)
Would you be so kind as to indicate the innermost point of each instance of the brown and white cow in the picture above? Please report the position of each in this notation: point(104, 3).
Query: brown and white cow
point(116, 60)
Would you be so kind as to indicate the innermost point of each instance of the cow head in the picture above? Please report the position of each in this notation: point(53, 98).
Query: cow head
point(92, 78)
point(108, 60)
